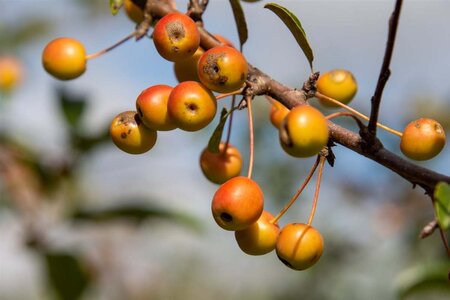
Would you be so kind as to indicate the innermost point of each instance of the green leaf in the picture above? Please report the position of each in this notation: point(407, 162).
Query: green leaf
point(424, 278)
point(114, 6)
point(216, 137)
point(72, 107)
point(134, 211)
point(442, 204)
point(239, 18)
point(66, 274)
point(294, 25)
point(86, 143)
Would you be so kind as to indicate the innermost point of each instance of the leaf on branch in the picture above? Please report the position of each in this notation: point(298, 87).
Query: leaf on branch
point(216, 137)
point(424, 278)
point(442, 204)
point(134, 211)
point(114, 6)
point(241, 24)
point(67, 275)
point(294, 25)
point(86, 143)
point(72, 107)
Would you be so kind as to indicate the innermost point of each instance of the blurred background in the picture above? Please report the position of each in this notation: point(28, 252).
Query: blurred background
point(79, 219)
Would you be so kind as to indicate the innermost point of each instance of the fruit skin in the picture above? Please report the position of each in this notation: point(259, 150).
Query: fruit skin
point(11, 73)
point(223, 69)
point(133, 11)
point(186, 69)
point(299, 246)
point(277, 113)
point(151, 106)
point(237, 203)
point(338, 84)
point(176, 37)
point(422, 139)
point(64, 58)
point(130, 135)
point(259, 238)
point(219, 167)
point(191, 106)
point(304, 131)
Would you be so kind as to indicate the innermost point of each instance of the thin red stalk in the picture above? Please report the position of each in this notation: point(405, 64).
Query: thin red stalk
point(297, 194)
point(101, 52)
point(252, 144)
point(230, 123)
point(316, 193)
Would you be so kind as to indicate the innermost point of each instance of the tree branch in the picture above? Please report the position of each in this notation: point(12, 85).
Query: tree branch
point(385, 72)
point(262, 84)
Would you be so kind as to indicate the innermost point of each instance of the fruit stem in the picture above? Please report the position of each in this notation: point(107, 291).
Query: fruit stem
point(444, 240)
point(101, 52)
point(297, 194)
point(230, 123)
point(250, 127)
point(316, 193)
point(357, 113)
point(224, 95)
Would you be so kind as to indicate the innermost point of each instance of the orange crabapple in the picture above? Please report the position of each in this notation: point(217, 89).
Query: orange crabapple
point(151, 106)
point(11, 73)
point(223, 69)
point(277, 113)
point(186, 69)
point(191, 106)
point(422, 139)
point(130, 135)
point(260, 237)
point(237, 203)
point(176, 37)
point(304, 131)
point(338, 84)
point(64, 58)
point(221, 166)
point(133, 11)
point(299, 246)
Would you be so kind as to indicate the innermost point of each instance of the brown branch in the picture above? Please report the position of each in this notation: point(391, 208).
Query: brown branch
point(196, 8)
point(262, 84)
point(385, 72)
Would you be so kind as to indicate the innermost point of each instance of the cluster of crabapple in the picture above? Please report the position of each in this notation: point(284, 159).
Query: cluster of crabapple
point(421, 139)
point(238, 204)
point(11, 73)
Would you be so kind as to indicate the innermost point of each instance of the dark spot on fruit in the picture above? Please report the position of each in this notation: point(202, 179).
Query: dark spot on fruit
point(222, 80)
point(226, 217)
point(191, 107)
point(123, 135)
point(175, 31)
point(129, 131)
point(175, 49)
point(212, 69)
point(438, 128)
